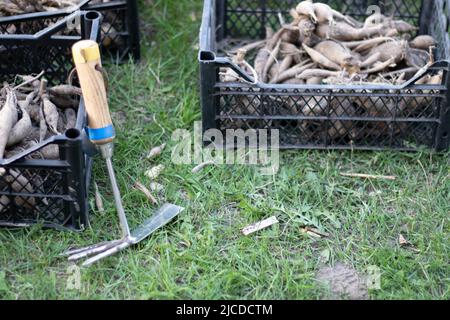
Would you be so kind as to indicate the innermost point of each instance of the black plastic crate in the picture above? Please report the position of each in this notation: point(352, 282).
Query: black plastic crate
point(120, 27)
point(55, 191)
point(50, 192)
point(227, 105)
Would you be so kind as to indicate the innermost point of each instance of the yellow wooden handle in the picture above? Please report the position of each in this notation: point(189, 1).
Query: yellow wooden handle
point(86, 54)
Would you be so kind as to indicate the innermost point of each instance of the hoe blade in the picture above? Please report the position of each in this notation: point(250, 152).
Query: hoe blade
point(161, 217)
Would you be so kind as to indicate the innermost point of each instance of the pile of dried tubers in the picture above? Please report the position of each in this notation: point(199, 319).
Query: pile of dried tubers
point(323, 46)
point(31, 112)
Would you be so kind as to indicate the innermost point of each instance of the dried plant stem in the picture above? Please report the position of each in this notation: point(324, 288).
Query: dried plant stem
point(29, 81)
point(368, 176)
point(139, 186)
point(98, 199)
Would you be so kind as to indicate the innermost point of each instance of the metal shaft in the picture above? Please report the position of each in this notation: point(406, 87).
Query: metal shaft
point(118, 199)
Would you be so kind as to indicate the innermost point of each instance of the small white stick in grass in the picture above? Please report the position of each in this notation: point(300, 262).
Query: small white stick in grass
point(259, 226)
point(139, 186)
point(201, 166)
point(156, 151)
point(368, 176)
point(98, 199)
point(155, 172)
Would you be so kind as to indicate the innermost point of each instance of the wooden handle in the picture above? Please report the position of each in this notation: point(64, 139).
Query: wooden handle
point(86, 55)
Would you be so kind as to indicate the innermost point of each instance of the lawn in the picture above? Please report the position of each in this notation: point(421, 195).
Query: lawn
point(203, 255)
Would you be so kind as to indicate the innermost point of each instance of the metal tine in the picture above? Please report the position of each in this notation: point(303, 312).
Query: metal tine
point(95, 250)
point(79, 250)
point(107, 253)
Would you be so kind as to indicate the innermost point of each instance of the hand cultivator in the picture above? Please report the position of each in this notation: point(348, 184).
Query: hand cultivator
point(101, 132)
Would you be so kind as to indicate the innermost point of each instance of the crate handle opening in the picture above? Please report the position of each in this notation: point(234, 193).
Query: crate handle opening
point(207, 56)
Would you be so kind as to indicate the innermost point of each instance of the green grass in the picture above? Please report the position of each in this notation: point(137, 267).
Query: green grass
point(203, 254)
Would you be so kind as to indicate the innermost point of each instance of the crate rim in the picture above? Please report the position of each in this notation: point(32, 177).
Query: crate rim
point(441, 65)
point(48, 32)
point(84, 6)
point(45, 14)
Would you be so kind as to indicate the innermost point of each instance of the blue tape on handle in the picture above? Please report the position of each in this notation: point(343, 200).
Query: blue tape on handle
point(101, 134)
